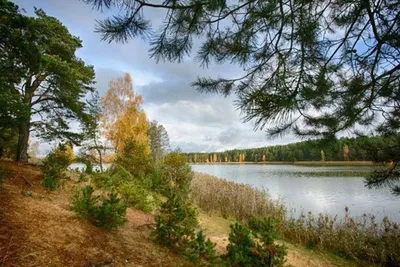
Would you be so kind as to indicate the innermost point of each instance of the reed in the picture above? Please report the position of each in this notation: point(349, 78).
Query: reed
point(232, 200)
point(361, 239)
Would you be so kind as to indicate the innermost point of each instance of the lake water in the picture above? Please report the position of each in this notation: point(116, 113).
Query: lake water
point(305, 188)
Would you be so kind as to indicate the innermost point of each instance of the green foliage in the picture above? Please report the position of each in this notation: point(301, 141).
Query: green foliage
point(176, 221)
point(158, 141)
point(136, 192)
point(84, 203)
point(361, 148)
point(241, 246)
point(55, 165)
point(41, 76)
point(302, 72)
point(8, 139)
point(175, 175)
point(135, 159)
point(244, 250)
point(50, 180)
point(111, 214)
point(201, 251)
point(138, 196)
point(106, 212)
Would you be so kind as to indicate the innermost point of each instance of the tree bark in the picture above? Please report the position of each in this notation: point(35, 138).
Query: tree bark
point(25, 125)
point(23, 142)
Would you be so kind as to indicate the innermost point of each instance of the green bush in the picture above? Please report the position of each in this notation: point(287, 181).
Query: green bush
point(175, 175)
point(176, 221)
point(135, 159)
point(201, 251)
point(106, 212)
point(84, 203)
point(49, 181)
point(135, 192)
point(247, 248)
point(55, 165)
point(137, 196)
point(112, 213)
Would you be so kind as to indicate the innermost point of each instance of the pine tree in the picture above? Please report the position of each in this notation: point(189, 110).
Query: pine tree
point(316, 68)
point(41, 76)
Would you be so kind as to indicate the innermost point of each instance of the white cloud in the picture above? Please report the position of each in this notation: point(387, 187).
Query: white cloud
point(194, 121)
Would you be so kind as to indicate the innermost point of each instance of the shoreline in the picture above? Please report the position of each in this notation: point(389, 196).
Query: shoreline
point(304, 163)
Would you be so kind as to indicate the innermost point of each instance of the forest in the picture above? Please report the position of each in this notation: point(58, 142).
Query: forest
point(343, 149)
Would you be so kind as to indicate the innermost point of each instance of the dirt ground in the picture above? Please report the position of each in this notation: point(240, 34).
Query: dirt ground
point(38, 228)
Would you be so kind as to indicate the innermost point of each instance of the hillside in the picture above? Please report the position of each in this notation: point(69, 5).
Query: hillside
point(37, 228)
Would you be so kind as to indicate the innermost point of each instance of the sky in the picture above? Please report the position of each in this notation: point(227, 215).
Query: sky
point(195, 122)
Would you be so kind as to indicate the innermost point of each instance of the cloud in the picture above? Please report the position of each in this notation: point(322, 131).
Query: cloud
point(194, 121)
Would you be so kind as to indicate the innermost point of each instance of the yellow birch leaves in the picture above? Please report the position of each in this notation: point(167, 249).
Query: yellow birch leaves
point(123, 118)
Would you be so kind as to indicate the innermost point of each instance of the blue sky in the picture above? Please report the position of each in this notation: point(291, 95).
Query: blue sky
point(194, 121)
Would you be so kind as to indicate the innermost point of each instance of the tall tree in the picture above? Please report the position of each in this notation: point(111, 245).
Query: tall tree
point(123, 119)
point(158, 141)
point(314, 67)
point(46, 79)
point(94, 149)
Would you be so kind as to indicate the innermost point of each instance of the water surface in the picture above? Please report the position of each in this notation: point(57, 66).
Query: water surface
point(305, 188)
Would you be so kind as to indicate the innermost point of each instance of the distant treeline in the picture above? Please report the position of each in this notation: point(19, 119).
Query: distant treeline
point(344, 149)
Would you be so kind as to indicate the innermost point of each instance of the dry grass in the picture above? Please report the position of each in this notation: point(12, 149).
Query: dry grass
point(363, 240)
point(335, 163)
point(358, 239)
point(217, 229)
point(313, 163)
point(232, 200)
point(40, 230)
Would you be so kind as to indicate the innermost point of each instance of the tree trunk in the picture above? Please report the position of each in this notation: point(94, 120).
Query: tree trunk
point(23, 142)
point(25, 124)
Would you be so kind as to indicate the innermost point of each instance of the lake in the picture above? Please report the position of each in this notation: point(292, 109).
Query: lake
point(305, 188)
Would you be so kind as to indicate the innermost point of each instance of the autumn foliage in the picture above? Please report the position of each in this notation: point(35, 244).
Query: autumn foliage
point(123, 118)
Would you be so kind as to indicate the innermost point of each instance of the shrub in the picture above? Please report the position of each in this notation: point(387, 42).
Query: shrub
point(201, 251)
point(176, 220)
point(84, 203)
point(49, 181)
point(112, 213)
point(266, 230)
point(135, 195)
point(106, 212)
point(135, 159)
point(175, 175)
point(55, 164)
point(135, 192)
point(244, 250)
